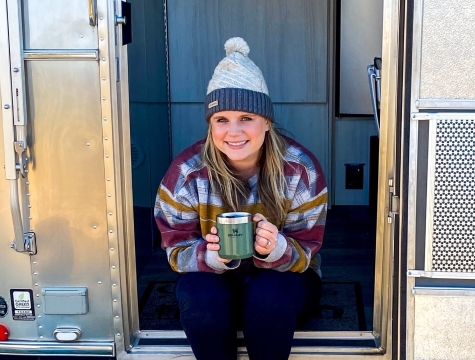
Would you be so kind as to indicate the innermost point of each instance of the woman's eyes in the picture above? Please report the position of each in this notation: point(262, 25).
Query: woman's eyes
point(224, 120)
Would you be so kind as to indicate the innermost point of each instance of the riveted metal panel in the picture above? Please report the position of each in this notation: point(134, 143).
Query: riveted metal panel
point(43, 19)
point(114, 172)
point(67, 192)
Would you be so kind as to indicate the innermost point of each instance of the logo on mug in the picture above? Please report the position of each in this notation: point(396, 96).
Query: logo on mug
point(235, 232)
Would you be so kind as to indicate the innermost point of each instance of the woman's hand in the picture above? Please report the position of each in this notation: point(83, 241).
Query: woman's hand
point(213, 245)
point(266, 235)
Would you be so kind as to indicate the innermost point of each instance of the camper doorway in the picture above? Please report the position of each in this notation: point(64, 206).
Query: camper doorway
point(314, 56)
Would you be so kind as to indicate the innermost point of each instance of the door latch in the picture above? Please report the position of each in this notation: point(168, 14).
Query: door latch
point(29, 242)
point(20, 150)
point(393, 207)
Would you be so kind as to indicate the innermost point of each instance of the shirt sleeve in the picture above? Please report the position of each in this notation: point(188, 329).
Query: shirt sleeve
point(179, 224)
point(302, 235)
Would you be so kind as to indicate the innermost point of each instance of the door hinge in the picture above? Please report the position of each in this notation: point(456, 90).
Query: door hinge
point(393, 207)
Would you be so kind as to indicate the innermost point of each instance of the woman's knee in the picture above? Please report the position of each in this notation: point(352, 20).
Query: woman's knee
point(203, 292)
point(271, 291)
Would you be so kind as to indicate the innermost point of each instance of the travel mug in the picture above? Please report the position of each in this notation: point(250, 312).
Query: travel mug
point(236, 235)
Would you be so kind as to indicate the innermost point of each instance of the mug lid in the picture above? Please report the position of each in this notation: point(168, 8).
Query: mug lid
point(237, 217)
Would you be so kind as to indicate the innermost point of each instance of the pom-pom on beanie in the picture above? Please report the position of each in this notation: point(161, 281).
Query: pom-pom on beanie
point(238, 84)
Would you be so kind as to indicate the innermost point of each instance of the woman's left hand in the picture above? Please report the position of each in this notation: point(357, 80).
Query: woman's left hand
point(266, 235)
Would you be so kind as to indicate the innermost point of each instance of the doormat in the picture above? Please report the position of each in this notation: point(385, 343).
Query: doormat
point(341, 308)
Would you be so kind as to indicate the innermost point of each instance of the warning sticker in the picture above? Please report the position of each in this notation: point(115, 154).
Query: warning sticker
point(23, 307)
point(3, 307)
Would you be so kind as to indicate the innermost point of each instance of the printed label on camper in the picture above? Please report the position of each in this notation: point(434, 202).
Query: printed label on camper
point(23, 307)
point(3, 307)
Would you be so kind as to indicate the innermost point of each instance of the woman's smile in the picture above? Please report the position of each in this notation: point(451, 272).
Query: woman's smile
point(236, 145)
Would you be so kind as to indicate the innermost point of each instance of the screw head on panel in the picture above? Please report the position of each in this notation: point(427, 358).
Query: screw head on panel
point(6, 106)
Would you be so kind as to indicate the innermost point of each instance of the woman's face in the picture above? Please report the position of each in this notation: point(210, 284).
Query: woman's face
point(239, 135)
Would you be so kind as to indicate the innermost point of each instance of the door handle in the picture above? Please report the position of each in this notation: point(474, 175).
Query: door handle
point(14, 121)
point(93, 12)
point(373, 78)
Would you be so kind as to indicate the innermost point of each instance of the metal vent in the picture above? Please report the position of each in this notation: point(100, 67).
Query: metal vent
point(137, 154)
point(453, 242)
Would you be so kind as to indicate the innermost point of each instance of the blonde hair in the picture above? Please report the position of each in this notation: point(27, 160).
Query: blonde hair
point(271, 184)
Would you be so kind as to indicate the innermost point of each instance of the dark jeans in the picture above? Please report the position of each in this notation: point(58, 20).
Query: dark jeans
point(266, 304)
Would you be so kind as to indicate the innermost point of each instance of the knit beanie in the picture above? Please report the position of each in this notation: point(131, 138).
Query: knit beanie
point(238, 84)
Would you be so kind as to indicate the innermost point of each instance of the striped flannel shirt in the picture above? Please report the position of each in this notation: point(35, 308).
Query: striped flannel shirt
point(186, 209)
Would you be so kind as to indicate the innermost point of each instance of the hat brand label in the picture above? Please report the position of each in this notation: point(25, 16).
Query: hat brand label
point(213, 104)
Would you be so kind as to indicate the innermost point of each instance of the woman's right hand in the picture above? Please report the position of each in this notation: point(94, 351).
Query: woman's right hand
point(213, 245)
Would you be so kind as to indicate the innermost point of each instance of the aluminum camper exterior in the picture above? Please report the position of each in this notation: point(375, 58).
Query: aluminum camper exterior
point(67, 260)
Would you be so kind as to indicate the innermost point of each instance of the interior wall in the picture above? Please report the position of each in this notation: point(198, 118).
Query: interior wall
point(352, 145)
point(148, 100)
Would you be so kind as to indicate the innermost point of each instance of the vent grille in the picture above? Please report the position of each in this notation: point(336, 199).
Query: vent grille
point(137, 154)
point(453, 243)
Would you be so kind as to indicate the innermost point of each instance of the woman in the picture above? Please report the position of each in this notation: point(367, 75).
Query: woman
point(244, 164)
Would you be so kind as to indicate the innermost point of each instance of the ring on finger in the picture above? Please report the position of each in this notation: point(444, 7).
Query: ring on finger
point(268, 243)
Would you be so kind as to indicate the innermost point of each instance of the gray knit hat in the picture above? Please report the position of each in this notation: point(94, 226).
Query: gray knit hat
point(238, 84)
